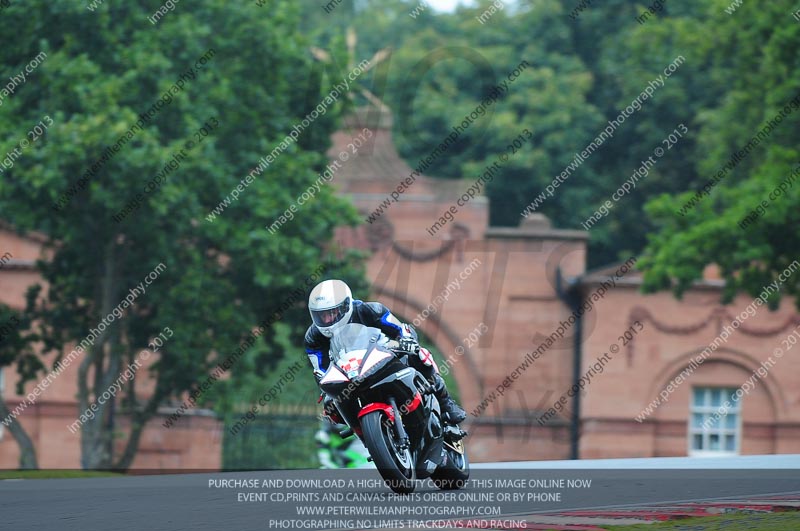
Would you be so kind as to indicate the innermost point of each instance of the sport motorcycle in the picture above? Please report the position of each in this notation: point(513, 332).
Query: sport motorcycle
point(391, 407)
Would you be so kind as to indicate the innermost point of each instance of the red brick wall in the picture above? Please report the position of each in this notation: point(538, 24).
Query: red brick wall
point(194, 443)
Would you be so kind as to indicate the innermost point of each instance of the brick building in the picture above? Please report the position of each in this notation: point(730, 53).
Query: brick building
point(532, 278)
point(502, 306)
point(194, 443)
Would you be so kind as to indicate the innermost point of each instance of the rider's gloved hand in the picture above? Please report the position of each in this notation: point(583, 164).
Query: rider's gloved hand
point(408, 344)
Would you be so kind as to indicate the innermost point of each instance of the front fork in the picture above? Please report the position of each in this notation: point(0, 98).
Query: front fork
point(399, 429)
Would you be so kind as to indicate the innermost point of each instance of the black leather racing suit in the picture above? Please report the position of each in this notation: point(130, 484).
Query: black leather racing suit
point(376, 315)
point(372, 314)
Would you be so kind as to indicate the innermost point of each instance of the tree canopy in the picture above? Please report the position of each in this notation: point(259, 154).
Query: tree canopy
point(199, 99)
point(133, 144)
point(736, 71)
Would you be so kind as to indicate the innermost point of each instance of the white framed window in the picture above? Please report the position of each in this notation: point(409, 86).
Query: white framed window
point(715, 422)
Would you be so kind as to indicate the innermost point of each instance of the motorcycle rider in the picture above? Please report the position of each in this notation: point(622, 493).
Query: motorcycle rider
point(332, 306)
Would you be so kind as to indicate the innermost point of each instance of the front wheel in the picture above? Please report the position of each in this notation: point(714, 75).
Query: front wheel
point(394, 463)
point(455, 473)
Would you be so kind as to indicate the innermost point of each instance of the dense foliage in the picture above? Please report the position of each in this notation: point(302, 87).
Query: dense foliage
point(247, 77)
point(739, 67)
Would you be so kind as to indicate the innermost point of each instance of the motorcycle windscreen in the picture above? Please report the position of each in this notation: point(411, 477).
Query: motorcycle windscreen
point(353, 349)
point(353, 336)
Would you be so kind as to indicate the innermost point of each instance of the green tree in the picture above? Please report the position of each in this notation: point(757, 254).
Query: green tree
point(15, 350)
point(105, 68)
point(445, 70)
point(623, 58)
point(754, 56)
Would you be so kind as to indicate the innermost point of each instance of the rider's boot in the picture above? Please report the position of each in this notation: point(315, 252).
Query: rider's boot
point(446, 402)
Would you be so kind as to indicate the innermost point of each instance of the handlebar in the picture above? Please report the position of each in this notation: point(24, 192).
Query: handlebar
point(394, 346)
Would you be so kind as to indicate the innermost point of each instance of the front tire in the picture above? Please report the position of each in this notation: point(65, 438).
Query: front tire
point(455, 473)
point(395, 465)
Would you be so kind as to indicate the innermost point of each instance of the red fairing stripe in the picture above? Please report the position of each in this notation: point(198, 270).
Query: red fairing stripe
point(414, 403)
point(377, 406)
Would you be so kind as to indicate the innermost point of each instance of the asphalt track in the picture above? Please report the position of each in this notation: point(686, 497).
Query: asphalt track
point(507, 490)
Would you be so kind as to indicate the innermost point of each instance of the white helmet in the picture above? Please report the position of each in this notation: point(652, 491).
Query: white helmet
point(330, 305)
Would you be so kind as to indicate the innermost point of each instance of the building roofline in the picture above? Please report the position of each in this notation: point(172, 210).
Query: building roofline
point(16, 263)
point(538, 234)
point(602, 273)
point(35, 236)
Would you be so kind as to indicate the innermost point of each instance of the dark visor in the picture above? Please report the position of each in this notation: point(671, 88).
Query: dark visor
point(330, 316)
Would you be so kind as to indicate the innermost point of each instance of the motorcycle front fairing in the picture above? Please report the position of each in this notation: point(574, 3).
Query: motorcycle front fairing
point(365, 375)
point(357, 353)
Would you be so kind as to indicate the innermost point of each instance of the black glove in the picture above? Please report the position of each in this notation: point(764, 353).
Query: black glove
point(408, 344)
